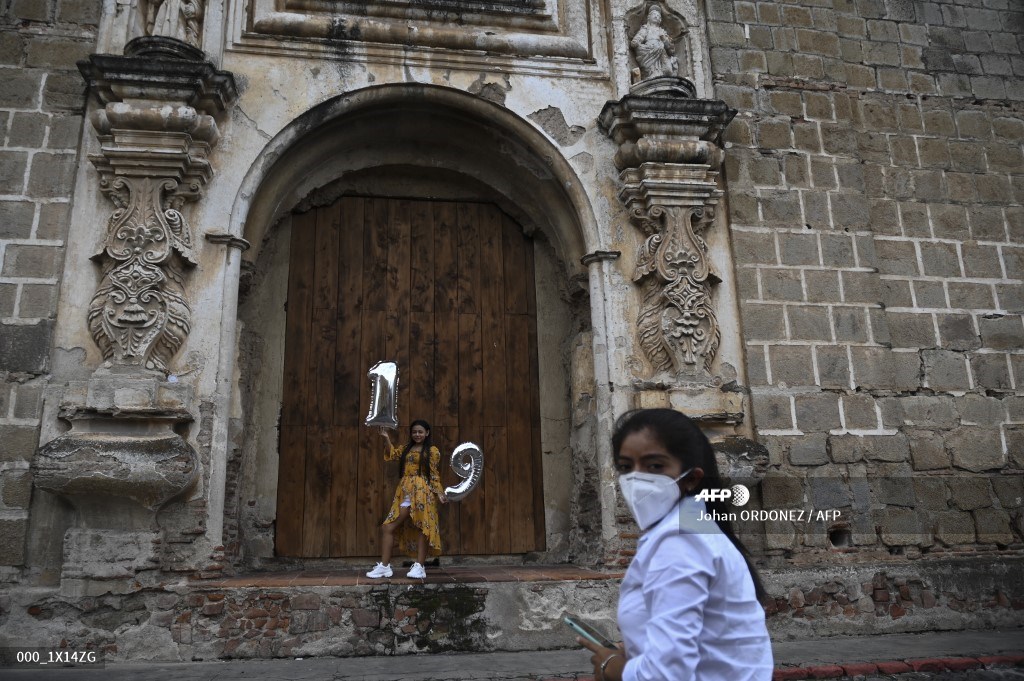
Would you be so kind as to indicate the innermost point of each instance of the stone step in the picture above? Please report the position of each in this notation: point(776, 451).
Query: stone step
point(344, 613)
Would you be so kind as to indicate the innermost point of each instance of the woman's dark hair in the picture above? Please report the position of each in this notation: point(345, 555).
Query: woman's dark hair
point(424, 453)
point(685, 441)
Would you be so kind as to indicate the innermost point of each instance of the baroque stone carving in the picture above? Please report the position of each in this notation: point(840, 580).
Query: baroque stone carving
point(669, 153)
point(677, 324)
point(179, 19)
point(658, 43)
point(655, 53)
point(156, 131)
point(139, 314)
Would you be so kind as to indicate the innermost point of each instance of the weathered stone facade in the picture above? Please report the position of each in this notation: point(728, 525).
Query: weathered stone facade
point(874, 180)
point(42, 110)
point(800, 222)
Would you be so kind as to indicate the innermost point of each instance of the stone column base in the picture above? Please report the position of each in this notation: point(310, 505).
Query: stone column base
point(98, 562)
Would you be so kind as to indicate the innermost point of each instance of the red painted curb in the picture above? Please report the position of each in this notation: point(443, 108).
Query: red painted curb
point(825, 671)
point(927, 665)
point(1002, 659)
point(959, 664)
point(860, 669)
point(789, 674)
point(894, 667)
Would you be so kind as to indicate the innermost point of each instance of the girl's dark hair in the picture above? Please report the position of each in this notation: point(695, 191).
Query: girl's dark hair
point(688, 443)
point(424, 453)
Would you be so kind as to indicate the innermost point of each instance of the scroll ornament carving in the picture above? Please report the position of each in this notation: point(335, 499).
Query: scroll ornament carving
point(139, 315)
point(677, 325)
point(181, 19)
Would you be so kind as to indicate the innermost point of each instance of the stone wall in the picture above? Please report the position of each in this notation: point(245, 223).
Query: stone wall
point(41, 103)
point(875, 180)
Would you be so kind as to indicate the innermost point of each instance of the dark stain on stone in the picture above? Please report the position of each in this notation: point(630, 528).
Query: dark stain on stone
point(343, 29)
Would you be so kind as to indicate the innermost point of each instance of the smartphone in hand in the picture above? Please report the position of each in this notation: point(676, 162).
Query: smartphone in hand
point(588, 632)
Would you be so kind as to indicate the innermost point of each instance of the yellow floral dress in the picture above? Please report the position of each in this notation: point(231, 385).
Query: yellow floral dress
point(423, 496)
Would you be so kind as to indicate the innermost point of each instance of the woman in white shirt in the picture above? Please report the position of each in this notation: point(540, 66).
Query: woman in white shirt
point(688, 605)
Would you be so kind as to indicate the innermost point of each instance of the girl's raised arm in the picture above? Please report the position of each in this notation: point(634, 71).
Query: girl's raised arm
point(392, 451)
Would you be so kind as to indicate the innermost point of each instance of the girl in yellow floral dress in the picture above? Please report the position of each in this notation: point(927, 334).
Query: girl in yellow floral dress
point(413, 513)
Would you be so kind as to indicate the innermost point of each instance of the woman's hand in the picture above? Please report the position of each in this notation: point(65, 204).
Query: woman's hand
point(384, 433)
point(608, 662)
point(443, 497)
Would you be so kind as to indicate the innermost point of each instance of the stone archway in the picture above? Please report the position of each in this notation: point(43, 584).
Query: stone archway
point(421, 142)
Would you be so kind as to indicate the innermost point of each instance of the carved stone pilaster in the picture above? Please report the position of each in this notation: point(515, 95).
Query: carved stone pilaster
point(669, 155)
point(156, 130)
point(124, 457)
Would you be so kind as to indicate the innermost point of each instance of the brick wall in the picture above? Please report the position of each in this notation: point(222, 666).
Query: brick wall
point(41, 103)
point(875, 181)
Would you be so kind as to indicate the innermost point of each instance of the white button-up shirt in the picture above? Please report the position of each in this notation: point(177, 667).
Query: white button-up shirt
point(687, 608)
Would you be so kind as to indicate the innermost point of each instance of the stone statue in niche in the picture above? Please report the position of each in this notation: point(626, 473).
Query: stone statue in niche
point(656, 43)
point(180, 19)
point(655, 53)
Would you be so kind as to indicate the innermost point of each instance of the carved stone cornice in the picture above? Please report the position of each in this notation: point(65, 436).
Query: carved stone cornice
point(661, 122)
point(162, 70)
point(122, 459)
point(669, 154)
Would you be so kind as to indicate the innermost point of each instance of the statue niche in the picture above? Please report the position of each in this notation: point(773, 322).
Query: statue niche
point(658, 43)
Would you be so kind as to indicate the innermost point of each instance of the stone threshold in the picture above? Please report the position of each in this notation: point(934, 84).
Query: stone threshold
point(435, 575)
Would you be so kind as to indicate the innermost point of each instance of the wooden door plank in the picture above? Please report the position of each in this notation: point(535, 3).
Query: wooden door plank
point(316, 530)
point(514, 254)
point(473, 509)
point(421, 259)
point(492, 307)
point(531, 282)
point(469, 257)
point(499, 516)
point(349, 374)
point(325, 312)
point(446, 330)
point(344, 491)
point(419, 386)
point(447, 439)
point(375, 255)
point(373, 494)
point(323, 345)
point(325, 271)
point(299, 316)
point(291, 490)
point(398, 293)
point(520, 437)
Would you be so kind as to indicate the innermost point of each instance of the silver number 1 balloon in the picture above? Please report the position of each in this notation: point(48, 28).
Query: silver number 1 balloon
point(383, 400)
point(468, 464)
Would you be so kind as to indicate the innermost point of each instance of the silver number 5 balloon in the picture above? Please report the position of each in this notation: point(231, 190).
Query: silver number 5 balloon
point(468, 464)
point(383, 401)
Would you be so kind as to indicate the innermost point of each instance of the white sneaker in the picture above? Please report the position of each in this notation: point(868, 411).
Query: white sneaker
point(381, 570)
point(417, 572)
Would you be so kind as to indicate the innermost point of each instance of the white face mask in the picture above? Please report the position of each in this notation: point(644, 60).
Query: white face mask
point(649, 496)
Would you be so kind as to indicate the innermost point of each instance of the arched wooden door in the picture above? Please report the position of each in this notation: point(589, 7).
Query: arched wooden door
point(446, 290)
